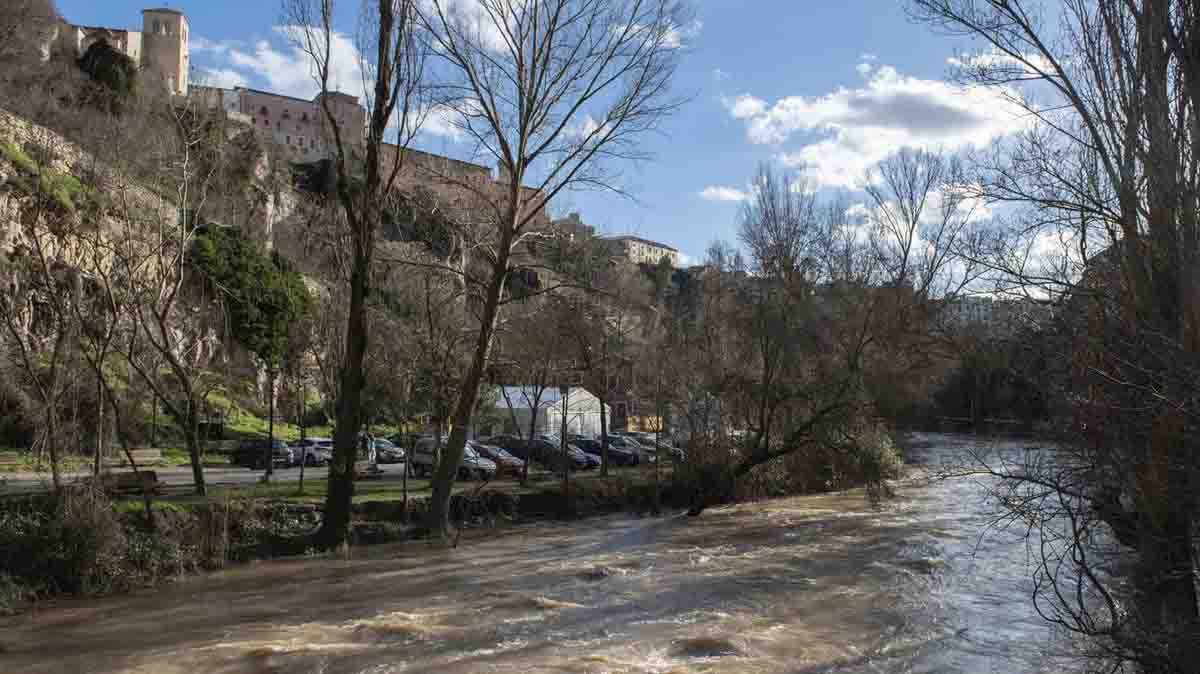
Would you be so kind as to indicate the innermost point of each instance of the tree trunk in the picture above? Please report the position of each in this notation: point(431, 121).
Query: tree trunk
point(603, 439)
point(99, 456)
point(51, 435)
point(192, 438)
point(335, 526)
point(443, 483)
point(270, 458)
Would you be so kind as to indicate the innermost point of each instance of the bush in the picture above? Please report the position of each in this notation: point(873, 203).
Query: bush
point(13, 594)
point(76, 543)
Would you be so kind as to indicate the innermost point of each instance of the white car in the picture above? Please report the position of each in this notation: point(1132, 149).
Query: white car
point(314, 451)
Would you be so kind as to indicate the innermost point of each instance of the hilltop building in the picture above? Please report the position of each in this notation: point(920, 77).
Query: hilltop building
point(294, 126)
point(644, 251)
point(160, 49)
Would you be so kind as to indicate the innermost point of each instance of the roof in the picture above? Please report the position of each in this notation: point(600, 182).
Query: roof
point(273, 95)
point(645, 241)
point(163, 10)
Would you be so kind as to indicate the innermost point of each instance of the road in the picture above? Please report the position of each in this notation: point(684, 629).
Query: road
point(179, 478)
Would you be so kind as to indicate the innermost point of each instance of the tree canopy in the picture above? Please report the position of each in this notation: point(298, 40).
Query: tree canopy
point(264, 294)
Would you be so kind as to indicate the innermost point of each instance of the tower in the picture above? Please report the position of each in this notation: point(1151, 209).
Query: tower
point(165, 48)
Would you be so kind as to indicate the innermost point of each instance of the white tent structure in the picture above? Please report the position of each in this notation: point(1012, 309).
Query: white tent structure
point(515, 405)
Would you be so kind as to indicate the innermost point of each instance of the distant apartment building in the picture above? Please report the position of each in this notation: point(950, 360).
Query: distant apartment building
point(644, 251)
point(160, 49)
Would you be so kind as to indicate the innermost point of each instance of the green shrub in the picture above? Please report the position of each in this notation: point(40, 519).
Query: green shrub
point(13, 593)
point(75, 542)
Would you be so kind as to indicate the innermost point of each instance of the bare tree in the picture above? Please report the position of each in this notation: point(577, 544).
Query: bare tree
point(26, 28)
point(41, 277)
point(392, 61)
point(1105, 189)
point(555, 92)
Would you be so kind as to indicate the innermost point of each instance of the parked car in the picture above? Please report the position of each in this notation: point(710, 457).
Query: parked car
point(387, 452)
point(616, 456)
point(505, 462)
point(424, 460)
point(628, 444)
point(649, 440)
point(548, 450)
point(512, 444)
point(313, 451)
point(406, 440)
point(252, 454)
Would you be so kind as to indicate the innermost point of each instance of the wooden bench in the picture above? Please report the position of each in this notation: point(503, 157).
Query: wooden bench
point(9, 458)
point(143, 481)
point(141, 456)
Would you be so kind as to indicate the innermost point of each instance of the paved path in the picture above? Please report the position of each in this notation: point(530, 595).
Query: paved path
point(176, 477)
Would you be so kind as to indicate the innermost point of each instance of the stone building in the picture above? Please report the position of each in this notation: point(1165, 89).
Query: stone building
point(644, 251)
point(160, 49)
point(294, 126)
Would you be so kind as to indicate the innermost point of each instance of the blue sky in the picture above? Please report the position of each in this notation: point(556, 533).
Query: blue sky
point(835, 84)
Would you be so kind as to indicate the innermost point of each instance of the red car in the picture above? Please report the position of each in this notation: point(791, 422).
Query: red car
point(505, 462)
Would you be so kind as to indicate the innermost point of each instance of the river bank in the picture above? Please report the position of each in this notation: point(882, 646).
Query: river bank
point(824, 583)
point(81, 543)
point(78, 542)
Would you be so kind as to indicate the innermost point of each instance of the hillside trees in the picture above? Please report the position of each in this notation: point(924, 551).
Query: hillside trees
point(25, 26)
point(40, 276)
point(789, 348)
point(262, 296)
point(554, 92)
point(1104, 185)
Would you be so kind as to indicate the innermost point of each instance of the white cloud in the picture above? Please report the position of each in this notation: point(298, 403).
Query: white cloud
point(288, 70)
point(469, 18)
point(677, 36)
point(745, 106)
point(864, 68)
point(669, 35)
point(856, 128)
point(868, 57)
point(722, 193)
point(199, 44)
point(442, 121)
point(223, 78)
point(996, 59)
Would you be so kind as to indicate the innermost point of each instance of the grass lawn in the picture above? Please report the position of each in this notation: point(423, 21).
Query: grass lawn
point(369, 490)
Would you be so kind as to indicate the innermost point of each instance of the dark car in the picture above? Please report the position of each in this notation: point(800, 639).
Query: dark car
point(547, 450)
point(616, 456)
point(512, 444)
point(387, 452)
point(504, 460)
point(252, 454)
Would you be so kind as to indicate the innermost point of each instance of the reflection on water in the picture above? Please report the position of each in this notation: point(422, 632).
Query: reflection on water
point(813, 584)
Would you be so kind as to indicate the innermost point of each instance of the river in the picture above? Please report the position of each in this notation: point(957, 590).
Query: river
point(824, 583)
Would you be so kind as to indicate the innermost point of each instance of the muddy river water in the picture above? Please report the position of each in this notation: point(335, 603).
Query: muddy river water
point(813, 584)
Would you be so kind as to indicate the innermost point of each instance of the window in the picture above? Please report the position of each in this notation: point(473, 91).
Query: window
point(289, 140)
point(263, 111)
point(254, 120)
